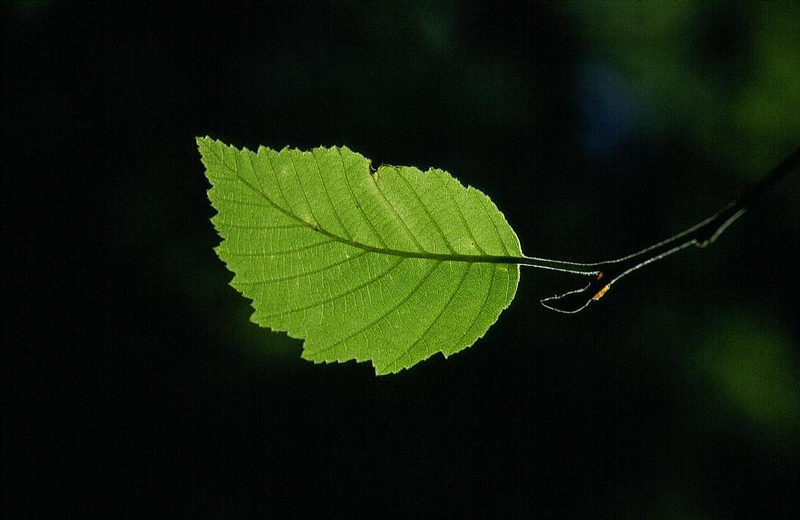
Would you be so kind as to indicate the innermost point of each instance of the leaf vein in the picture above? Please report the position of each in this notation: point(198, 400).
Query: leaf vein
point(328, 196)
point(301, 275)
point(399, 218)
point(385, 314)
point(339, 295)
point(393, 364)
point(428, 213)
point(352, 194)
point(277, 253)
point(302, 188)
point(461, 215)
point(289, 209)
point(456, 344)
point(494, 224)
point(260, 228)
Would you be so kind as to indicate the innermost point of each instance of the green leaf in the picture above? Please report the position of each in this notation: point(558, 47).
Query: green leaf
point(390, 266)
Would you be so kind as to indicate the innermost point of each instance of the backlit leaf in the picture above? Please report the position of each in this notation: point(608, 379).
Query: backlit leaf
point(390, 266)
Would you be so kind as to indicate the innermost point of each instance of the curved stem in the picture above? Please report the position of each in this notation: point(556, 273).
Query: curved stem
point(702, 234)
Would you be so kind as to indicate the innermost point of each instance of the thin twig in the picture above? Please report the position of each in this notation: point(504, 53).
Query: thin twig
point(701, 235)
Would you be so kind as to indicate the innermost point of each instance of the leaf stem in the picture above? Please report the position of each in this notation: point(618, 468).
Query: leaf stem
point(701, 235)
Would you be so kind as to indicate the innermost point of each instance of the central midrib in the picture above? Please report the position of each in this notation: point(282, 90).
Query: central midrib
point(445, 257)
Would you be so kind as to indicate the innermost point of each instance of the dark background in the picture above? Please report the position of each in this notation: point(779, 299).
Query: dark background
point(134, 385)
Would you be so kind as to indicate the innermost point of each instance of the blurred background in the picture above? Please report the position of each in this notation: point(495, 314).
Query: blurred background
point(135, 385)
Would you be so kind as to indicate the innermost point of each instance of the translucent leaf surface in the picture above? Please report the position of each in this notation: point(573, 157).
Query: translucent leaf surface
point(390, 266)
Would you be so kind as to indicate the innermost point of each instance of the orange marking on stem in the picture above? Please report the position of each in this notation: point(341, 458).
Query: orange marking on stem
point(601, 292)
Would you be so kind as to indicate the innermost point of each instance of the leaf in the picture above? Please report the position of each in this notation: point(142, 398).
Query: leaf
point(390, 266)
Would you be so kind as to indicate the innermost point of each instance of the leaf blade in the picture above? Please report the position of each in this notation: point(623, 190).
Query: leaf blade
point(390, 266)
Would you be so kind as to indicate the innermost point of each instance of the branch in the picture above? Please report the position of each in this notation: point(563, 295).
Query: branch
point(701, 235)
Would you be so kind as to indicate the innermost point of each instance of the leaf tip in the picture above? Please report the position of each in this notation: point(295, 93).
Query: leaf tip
point(204, 146)
point(201, 141)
